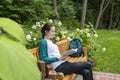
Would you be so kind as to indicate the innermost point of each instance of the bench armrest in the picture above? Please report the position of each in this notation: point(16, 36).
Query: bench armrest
point(41, 66)
point(55, 75)
point(50, 67)
point(52, 74)
point(86, 50)
point(59, 75)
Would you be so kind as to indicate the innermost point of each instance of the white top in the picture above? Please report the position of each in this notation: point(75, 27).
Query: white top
point(53, 51)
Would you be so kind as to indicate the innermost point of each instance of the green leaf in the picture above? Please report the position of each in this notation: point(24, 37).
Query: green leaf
point(16, 63)
point(13, 29)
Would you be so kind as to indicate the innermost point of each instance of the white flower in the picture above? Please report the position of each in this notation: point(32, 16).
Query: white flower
point(34, 27)
point(95, 35)
point(63, 36)
point(57, 38)
point(65, 32)
point(88, 35)
point(103, 49)
point(34, 39)
point(69, 38)
point(42, 25)
point(59, 23)
point(81, 31)
point(86, 30)
point(77, 29)
point(28, 37)
point(30, 32)
point(38, 24)
point(62, 32)
point(50, 21)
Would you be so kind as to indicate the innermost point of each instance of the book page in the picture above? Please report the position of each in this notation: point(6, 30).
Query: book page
point(69, 52)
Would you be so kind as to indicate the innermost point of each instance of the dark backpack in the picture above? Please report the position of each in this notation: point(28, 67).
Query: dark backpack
point(76, 43)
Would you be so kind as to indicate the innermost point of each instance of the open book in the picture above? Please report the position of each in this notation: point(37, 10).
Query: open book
point(69, 52)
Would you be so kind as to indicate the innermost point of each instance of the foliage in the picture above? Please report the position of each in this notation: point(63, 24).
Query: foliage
point(19, 10)
point(33, 34)
point(69, 11)
point(87, 35)
point(25, 10)
point(16, 62)
point(43, 9)
point(66, 6)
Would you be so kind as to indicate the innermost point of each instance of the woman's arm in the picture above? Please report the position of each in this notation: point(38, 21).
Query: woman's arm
point(44, 53)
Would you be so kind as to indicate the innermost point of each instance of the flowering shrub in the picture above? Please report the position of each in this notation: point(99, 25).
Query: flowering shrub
point(86, 35)
point(33, 35)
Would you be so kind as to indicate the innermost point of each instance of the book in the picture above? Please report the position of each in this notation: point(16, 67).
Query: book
point(69, 52)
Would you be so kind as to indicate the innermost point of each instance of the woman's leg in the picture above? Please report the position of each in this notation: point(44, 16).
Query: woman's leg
point(82, 68)
point(86, 74)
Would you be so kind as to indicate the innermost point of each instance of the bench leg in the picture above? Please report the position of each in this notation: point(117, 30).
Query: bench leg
point(52, 75)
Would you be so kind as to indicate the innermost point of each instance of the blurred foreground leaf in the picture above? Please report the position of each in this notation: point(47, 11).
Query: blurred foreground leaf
point(16, 63)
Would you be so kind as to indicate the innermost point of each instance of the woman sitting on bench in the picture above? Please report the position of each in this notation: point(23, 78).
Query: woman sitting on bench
point(49, 53)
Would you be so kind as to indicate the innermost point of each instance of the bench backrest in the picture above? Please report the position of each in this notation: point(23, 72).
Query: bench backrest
point(35, 52)
point(62, 45)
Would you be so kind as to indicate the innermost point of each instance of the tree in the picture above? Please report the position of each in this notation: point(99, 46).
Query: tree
point(83, 14)
point(118, 23)
point(67, 13)
point(55, 9)
point(103, 7)
point(18, 10)
point(111, 17)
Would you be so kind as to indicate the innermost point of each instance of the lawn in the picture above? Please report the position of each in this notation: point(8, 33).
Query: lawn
point(108, 61)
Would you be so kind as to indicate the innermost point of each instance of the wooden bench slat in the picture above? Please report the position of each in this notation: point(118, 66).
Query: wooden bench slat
point(72, 59)
point(69, 77)
point(68, 58)
point(79, 60)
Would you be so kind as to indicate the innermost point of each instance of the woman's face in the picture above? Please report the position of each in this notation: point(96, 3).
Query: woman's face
point(51, 34)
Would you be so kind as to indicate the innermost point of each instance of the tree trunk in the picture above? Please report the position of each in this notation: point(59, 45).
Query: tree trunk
point(102, 9)
point(55, 9)
point(111, 17)
point(83, 14)
point(118, 24)
point(101, 22)
point(100, 13)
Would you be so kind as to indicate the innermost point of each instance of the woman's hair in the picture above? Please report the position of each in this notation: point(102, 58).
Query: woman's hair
point(46, 27)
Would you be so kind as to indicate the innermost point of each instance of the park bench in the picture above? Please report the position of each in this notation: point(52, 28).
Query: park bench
point(63, 46)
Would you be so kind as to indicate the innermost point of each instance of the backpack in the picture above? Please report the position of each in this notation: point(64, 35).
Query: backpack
point(76, 43)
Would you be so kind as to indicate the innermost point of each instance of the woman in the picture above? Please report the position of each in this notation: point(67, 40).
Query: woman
point(49, 53)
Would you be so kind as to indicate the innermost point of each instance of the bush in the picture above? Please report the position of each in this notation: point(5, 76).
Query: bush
point(86, 35)
point(33, 33)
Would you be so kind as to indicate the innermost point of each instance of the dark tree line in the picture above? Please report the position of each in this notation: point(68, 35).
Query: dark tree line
point(73, 13)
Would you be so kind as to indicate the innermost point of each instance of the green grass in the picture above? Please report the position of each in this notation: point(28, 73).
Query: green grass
point(108, 61)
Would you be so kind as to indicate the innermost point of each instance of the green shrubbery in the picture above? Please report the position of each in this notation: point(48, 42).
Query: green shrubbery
point(33, 33)
point(86, 35)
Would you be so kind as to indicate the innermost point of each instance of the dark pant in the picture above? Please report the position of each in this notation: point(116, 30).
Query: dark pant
point(82, 68)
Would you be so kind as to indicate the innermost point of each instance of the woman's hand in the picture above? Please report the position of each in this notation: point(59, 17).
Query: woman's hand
point(62, 57)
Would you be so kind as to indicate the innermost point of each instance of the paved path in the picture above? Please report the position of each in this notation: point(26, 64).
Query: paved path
point(102, 76)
